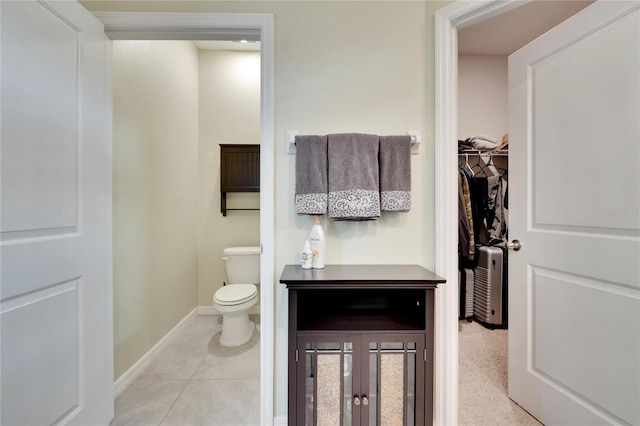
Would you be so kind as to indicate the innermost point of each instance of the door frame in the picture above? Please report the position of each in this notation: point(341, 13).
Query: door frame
point(221, 26)
point(448, 21)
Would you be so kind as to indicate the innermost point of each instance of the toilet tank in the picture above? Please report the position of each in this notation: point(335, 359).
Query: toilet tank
point(242, 264)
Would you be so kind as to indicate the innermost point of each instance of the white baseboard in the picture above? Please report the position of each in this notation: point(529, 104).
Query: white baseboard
point(132, 373)
point(210, 310)
point(280, 421)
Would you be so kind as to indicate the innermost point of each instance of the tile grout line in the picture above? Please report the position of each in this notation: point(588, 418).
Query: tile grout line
point(174, 402)
point(187, 382)
point(205, 355)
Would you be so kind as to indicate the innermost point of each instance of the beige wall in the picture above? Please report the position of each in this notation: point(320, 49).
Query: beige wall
point(229, 112)
point(169, 119)
point(482, 96)
point(155, 190)
point(353, 67)
point(343, 66)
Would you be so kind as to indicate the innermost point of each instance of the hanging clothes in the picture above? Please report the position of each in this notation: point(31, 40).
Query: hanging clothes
point(464, 234)
point(482, 200)
point(464, 197)
point(496, 218)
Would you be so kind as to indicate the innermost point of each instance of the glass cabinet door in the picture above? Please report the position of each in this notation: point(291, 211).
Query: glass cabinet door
point(393, 370)
point(327, 375)
point(360, 380)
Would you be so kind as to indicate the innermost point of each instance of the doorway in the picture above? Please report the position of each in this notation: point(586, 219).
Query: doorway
point(174, 103)
point(153, 26)
point(450, 21)
point(483, 110)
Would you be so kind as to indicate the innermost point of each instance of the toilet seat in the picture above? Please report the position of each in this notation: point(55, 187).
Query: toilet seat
point(235, 294)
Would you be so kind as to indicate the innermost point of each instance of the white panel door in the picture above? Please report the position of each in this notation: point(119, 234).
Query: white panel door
point(55, 293)
point(574, 287)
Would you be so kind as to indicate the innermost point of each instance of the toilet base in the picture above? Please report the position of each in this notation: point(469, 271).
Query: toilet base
point(236, 329)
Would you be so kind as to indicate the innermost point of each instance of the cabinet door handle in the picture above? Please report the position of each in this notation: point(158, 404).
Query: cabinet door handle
point(356, 400)
point(365, 400)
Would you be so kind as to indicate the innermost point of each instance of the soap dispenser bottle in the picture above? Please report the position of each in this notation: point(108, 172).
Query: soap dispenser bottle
point(306, 255)
point(318, 244)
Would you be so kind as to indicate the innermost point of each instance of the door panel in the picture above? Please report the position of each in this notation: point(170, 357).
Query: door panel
point(328, 373)
point(574, 296)
point(55, 319)
point(41, 181)
point(563, 103)
point(25, 337)
point(573, 351)
point(395, 368)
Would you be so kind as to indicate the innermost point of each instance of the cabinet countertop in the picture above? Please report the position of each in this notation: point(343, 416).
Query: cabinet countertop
point(358, 276)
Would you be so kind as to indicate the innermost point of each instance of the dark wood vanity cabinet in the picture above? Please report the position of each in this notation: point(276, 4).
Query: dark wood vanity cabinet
point(360, 344)
point(239, 171)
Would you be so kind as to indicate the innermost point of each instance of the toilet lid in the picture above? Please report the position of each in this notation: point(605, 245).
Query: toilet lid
point(235, 294)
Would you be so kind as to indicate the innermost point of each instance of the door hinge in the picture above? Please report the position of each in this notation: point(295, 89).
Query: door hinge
point(425, 355)
point(296, 355)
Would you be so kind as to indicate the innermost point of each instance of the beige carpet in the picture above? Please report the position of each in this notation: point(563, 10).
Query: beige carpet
point(483, 399)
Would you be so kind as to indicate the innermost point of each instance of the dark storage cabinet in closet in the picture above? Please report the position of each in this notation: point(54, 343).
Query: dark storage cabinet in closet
point(360, 344)
point(239, 171)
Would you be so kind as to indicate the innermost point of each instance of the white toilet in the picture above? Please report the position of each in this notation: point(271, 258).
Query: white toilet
point(241, 293)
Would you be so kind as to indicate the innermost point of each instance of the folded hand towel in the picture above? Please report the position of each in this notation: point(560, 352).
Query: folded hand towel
point(354, 189)
point(482, 143)
point(395, 173)
point(311, 174)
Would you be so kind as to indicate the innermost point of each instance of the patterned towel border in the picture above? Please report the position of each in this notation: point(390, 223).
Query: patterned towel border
point(311, 203)
point(395, 201)
point(354, 203)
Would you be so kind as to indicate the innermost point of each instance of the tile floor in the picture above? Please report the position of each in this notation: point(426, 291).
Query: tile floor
point(482, 391)
point(189, 385)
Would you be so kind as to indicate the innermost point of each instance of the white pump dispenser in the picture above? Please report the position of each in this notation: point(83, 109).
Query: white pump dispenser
point(306, 256)
point(318, 244)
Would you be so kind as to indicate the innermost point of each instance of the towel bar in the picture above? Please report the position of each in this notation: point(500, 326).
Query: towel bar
point(291, 141)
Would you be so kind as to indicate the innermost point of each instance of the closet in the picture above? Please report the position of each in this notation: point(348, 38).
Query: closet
point(483, 285)
point(483, 98)
point(483, 164)
point(483, 220)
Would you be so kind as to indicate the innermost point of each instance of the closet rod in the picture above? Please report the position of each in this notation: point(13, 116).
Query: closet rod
point(500, 152)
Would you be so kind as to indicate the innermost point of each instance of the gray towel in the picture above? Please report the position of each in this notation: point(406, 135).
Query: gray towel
point(354, 188)
point(395, 173)
point(311, 174)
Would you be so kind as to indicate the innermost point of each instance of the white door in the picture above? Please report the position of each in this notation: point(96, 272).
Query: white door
point(574, 287)
point(55, 300)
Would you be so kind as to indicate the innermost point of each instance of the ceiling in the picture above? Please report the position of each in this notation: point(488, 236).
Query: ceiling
point(509, 31)
point(226, 45)
point(500, 35)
